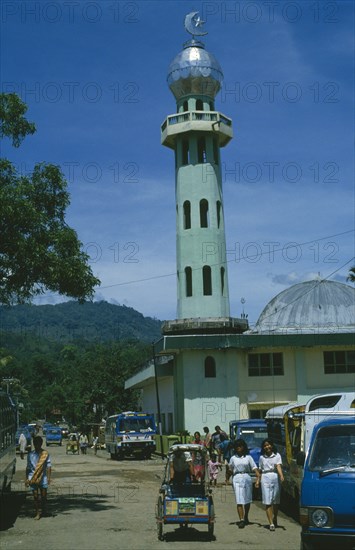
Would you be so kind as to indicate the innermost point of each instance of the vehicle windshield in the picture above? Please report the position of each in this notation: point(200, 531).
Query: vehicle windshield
point(253, 436)
point(136, 425)
point(334, 448)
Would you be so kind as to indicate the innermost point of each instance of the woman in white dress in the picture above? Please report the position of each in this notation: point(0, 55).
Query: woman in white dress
point(240, 466)
point(270, 466)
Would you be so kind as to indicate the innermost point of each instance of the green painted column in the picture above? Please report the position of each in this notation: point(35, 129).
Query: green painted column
point(196, 133)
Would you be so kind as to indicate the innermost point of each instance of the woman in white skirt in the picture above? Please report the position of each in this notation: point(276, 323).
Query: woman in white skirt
point(271, 475)
point(240, 466)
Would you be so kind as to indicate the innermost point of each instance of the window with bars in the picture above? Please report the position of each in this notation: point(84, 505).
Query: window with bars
point(339, 362)
point(265, 364)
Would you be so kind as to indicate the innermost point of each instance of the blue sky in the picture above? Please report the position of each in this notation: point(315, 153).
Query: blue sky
point(94, 77)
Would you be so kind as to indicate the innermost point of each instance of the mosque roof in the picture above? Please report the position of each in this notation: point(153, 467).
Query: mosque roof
point(308, 307)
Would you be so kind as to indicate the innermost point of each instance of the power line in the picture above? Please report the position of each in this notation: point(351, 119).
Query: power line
point(153, 277)
point(316, 284)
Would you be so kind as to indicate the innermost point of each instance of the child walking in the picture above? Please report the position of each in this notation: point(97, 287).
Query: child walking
point(213, 466)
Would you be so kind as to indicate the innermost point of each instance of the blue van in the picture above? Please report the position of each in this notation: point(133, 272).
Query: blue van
point(327, 511)
point(53, 436)
point(253, 431)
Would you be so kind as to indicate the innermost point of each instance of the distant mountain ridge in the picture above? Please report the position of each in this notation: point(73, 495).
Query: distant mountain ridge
point(91, 322)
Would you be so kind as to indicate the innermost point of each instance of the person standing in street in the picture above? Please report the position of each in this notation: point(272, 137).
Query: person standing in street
point(208, 439)
point(22, 441)
point(95, 444)
point(241, 465)
point(38, 475)
point(197, 459)
point(226, 448)
point(270, 466)
point(217, 437)
point(213, 466)
point(83, 442)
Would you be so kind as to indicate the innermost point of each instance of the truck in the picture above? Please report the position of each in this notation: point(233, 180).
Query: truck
point(290, 427)
point(129, 434)
point(327, 505)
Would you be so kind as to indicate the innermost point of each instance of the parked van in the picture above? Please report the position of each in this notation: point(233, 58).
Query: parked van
point(327, 511)
point(291, 427)
point(253, 431)
point(53, 436)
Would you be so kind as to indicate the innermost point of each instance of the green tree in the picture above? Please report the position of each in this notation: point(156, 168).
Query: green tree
point(351, 276)
point(13, 124)
point(38, 250)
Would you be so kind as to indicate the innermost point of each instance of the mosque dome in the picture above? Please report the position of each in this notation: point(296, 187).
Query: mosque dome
point(312, 306)
point(194, 71)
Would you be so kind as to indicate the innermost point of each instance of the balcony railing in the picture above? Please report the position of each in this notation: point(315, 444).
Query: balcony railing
point(187, 116)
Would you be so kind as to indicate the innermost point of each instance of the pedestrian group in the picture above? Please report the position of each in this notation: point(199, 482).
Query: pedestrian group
point(184, 466)
point(240, 466)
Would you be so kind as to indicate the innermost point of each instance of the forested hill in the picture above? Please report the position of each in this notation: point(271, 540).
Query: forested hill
point(90, 322)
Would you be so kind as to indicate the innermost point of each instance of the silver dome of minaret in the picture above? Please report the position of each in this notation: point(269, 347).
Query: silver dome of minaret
point(194, 71)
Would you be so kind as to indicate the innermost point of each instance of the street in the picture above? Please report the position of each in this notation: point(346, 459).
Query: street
point(97, 503)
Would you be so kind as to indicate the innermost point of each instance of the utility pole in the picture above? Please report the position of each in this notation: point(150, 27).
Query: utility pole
point(158, 403)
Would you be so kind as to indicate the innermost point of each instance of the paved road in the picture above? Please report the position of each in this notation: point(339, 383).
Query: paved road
point(97, 503)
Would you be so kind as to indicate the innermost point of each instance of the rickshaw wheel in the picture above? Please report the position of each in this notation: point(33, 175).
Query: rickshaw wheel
point(160, 518)
point(211, 529)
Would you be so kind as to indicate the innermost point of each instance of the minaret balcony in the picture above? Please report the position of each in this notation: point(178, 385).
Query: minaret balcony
point(196, 121)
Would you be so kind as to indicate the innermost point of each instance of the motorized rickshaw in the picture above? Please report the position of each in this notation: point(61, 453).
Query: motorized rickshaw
point(73, 444)
point(189, 501)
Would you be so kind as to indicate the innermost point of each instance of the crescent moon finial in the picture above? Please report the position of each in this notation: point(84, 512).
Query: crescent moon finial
point(192, 23)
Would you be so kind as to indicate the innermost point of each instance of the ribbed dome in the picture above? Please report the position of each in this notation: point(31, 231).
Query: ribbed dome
point(322, 306)
point(194, 71)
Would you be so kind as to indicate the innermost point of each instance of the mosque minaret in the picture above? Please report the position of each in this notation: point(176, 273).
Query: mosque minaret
point(196, 133)
point(210, 368)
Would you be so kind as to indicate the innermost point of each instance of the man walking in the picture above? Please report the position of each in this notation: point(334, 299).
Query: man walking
point(38, 474)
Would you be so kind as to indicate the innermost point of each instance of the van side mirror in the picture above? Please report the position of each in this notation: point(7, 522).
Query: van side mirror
point(300, 459)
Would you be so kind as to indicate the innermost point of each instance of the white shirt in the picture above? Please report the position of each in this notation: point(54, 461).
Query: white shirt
point(181, 462)
point(242, 464)
point(268, 463)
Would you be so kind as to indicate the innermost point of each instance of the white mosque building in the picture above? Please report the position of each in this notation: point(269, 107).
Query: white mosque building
point(211, 368)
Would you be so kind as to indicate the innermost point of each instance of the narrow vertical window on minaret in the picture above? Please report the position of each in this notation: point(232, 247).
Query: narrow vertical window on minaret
point(210, 367)
point(187, 215)
point(185, 152)
point(188, 281)
point(204, 214)
point(199, 105)
point(222, 280)
point(207, 280)
point(215, 151)
point(201, 150)
point(186, 106)
point(219, 207)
